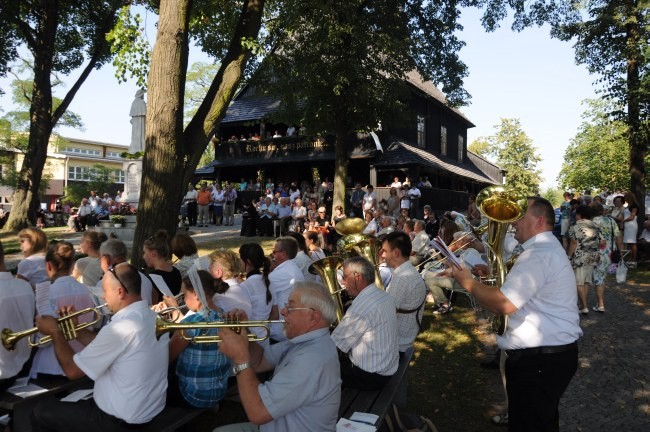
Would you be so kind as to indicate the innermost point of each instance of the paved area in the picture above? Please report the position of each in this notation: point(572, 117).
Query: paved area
point(611, 389)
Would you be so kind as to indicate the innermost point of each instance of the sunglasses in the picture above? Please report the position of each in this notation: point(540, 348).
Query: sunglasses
point(112, 270)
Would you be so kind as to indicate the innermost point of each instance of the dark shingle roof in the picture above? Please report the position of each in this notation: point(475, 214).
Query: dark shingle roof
point(400, 153)
point(251, 108)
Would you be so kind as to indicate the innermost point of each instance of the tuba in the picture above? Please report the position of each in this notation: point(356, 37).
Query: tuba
point(354, 243)
point(327, 268)
point(501, 207)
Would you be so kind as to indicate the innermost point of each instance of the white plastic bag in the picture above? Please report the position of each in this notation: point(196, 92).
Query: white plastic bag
point(621, 273)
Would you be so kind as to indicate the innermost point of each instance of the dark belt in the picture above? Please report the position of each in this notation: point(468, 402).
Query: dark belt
point(554, 349)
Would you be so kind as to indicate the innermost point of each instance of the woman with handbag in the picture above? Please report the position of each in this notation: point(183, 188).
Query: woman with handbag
point(631, 227)
point(609, 252)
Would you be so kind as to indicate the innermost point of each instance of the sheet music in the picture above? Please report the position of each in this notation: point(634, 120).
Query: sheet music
point(161, 285)
point(442, 247)
point(193, 274)
point(78, 395)
point(43, 304)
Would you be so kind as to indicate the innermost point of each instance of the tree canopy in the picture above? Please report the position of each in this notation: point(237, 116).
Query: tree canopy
point(514, 152)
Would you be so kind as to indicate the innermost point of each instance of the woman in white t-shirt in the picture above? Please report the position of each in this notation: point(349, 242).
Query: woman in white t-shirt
point(257, 268)
point(88, 270)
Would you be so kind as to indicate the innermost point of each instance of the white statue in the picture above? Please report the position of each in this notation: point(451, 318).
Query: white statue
point(138, 115)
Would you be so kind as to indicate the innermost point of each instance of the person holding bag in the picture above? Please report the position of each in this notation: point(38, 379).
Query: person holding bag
point(610, 252)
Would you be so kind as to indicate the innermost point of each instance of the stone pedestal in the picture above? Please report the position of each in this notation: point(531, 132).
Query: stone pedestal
point(133, 179)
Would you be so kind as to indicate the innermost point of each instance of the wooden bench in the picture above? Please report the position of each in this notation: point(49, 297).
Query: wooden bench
point(20, 408)
point(378, 402)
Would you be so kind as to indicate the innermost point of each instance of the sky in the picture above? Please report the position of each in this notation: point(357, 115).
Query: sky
point(526, 75)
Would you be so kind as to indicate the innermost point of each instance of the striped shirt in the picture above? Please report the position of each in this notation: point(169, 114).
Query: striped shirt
point(368, 332)
point(201, 368)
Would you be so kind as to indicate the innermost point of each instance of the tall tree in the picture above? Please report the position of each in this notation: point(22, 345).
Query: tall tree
point(611, 38)
point(61, 36)
point(341, 66)
point(515, 153)
point(224, 29)
point(597, 156)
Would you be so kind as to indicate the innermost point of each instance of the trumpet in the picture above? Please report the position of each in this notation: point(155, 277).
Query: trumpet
point(163, 326)
point(66, 324)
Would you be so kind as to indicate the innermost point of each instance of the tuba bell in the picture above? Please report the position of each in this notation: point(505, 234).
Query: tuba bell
point(501, 207)
point(327, 268)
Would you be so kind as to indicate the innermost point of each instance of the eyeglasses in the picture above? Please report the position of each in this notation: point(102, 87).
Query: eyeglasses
point(291, 309)
point(276, 251)
point(112, 270)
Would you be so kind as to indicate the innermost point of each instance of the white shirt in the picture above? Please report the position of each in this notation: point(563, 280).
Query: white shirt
point(32, 269)
point(368, 332)
point(542, 286)
point(218, 196)
point(368, 200)
point(234, 298)
point(420, 243)
point(64, 291)
point(281, 281)
point(303, 262)
point(414, 193)
point(17, 310)
point(191, 195)
point(409, 291)
point(129, 365)
point(255, 288)
point(89, 269)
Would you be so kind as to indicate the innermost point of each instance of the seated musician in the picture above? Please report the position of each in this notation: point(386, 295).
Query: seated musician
point(63, 291)
point(202, 371)
point(406, 287)
point(367, 334)
point(464, 245)
point(17, 309)
point(125, 360)
point(305, 391)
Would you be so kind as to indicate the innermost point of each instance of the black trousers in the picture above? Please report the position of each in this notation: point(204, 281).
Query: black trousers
point(354, 377)
point(52, 415)
point(192, 210)
point(535, 382)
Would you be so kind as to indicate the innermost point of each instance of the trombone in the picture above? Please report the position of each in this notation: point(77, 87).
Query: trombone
point(66, 324)
point(163, 326)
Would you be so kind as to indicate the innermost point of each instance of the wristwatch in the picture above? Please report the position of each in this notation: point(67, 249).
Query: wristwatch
point(240, 367)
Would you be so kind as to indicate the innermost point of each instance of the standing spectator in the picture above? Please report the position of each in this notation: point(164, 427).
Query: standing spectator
point(33, 245)
point(414, 198)
point(406, 287)
point(267, 213)
point(370, 198)
point(230, 196)
point(405, 201)
point(583, 252)
point(203, 198)
point(16, 311)
point(217, 204)
point(328, 197)
point(612, 236)
point(393, 203)
point(190, 204)
point(356, 200)
point(565, 210)
point(631, 226)
point(367, 333)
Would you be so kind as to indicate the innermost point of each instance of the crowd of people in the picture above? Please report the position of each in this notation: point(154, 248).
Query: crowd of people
point(136, 373)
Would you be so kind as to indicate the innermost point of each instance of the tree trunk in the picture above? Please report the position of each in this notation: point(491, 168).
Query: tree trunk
point(637, 137)
point(171, 155)
point(340, 170)
point(26, 196)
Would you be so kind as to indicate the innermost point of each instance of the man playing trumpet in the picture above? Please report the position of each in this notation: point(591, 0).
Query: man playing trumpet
point(126, 361)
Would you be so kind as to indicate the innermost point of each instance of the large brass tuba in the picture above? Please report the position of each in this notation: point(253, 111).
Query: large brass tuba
point(326, 268)
point(501, 207)
point(354, 243)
